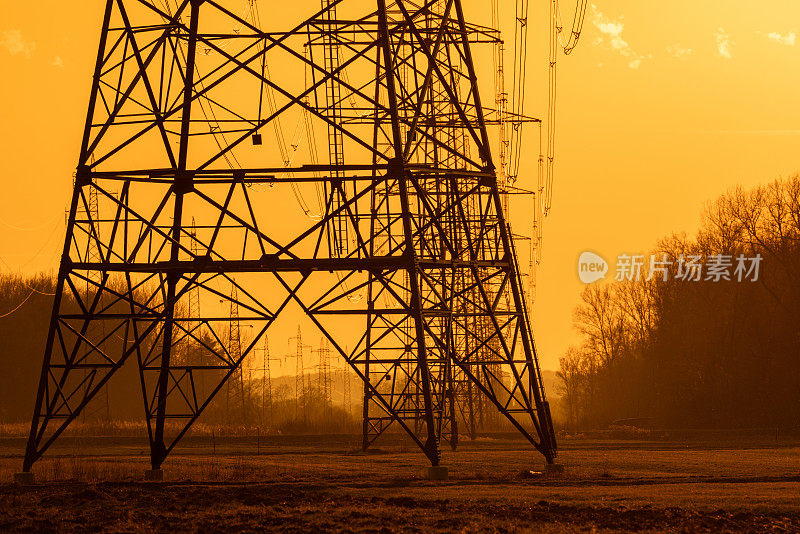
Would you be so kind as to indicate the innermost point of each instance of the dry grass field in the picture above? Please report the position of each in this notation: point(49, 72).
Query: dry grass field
point(321, 485)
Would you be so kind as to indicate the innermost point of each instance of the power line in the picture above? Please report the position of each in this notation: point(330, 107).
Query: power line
point(18, 305)
point(556, 29)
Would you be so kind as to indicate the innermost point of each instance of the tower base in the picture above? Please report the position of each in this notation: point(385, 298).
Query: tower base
point(24, 478)
point(554, 469)
point(154, 475)
point(436, 472)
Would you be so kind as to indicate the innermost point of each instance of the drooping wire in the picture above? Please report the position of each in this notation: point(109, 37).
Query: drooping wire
point(251, 12)
point(20, 305)
point(214, 127)
point(518, 82)
point(501, 101)
point(26, 284)
point(287, 154)
point(543, 197)
point(30, 293)
point(578, 19)
point(556, 42)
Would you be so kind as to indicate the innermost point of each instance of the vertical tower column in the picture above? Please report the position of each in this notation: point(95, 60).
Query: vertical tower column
point(184, 183)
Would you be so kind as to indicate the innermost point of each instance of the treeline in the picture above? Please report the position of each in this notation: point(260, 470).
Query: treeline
point(25, 304)
point(686, 353)
point(247, 402)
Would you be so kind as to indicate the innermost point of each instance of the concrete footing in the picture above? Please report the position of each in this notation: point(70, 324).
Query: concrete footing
point(554, 469)
point(436, 472)
point(154, 475)
point(24, 479)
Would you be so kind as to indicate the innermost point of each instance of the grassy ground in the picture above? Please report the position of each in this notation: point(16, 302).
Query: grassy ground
point(291, 486)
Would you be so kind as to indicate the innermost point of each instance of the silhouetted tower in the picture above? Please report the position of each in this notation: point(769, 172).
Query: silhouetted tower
point(267, 400)
point(176, 129)
point(234, 388)
point(347, 392)
point(300, 385)
point(266, 379)
point(194, 324)
point(324, 383)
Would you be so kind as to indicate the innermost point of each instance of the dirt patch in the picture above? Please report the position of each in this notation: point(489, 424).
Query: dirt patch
point(302, 508)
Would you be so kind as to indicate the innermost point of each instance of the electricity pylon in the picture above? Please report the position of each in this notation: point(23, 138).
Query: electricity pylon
point(347, 392)
point(267, 400)
point(300, 384)
point(324, 381)
point(409, 247)
point(234, 387)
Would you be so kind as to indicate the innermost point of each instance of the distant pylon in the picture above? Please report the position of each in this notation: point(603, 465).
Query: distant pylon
point(347, 399)
point(267, 399)
point(300, 385)
point(324, 385)
point(194, 324)
point(235, 387)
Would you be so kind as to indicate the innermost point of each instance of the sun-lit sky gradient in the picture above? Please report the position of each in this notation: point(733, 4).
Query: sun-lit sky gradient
point(662, 106)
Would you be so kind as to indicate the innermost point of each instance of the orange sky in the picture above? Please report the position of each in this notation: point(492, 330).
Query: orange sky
point(662, 107)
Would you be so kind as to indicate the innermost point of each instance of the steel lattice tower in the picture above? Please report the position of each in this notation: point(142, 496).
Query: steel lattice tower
point(408, 269)
point(324, 381)
point(301, 389)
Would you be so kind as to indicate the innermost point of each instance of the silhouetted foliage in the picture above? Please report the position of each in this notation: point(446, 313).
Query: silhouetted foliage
point(22, 341)
point(26, 305)
point(688, 354)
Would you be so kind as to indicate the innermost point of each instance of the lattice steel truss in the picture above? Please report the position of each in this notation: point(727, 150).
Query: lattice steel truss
point(408, 269)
